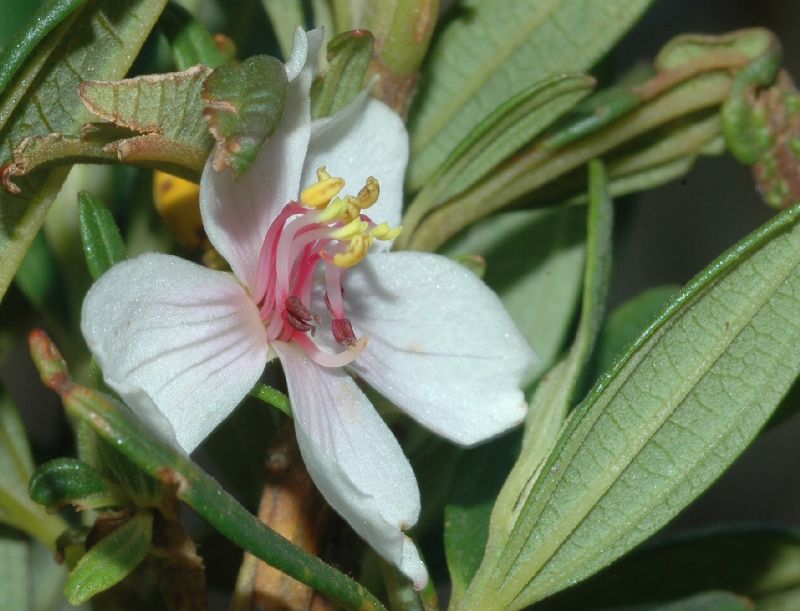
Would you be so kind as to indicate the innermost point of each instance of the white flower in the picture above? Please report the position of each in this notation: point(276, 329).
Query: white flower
point(183, 344)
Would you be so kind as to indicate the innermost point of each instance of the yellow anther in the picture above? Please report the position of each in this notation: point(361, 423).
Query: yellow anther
point(335, 210)
point(357, 250)
point(177, 201)
point(353, 228)
point(384, 232)
point(352, 208)
point(322, 192)
point(369, 193)
point(322, 173)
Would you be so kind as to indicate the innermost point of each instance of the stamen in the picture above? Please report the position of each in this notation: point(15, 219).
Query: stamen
point(328, 359)
point(356, 251)
point(369, 193)
point(343, 332)
point(322, 192)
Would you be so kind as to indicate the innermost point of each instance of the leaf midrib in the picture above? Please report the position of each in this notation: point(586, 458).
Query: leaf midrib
point(668, 413)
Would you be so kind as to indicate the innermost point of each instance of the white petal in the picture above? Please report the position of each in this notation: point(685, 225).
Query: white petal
point(305, 50)
point(441, 346)
point(354, 459)
point(366, 138)
point(237, 212)
point(182, 344)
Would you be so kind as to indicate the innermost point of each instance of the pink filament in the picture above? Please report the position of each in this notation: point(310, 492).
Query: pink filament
point(295, 243)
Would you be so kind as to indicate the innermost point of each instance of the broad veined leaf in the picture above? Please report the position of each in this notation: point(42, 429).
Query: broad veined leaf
point(152, 120)
point(694, 76)
point(243, 107)
point(483, 58)
point(753, 561)
point(626, 323)
point(683, 403)
point(111, 560)
point(124, 433)
point(102, 45)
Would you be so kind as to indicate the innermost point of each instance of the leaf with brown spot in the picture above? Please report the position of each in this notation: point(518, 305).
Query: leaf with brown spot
point(243, 107)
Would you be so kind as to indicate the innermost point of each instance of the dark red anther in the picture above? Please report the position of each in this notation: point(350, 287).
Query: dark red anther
point(343, 332)
point(298, 315)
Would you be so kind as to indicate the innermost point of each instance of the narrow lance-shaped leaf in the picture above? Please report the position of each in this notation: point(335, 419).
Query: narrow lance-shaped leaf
point(481, 472)
point(556, 393)
point(510, 126)
point(683, 403)
point(102, 242)
point(189, 41)
point(349, 55)
point(116, 425)
point(752, 561)
point(694, 74)
point(483, 57)
point(111, 560)
point(102, 45)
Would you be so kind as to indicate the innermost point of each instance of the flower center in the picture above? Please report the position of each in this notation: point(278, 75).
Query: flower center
point(326, 230)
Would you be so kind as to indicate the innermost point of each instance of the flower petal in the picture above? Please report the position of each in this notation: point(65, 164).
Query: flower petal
point(366, 138)
point(181, 344)
point(354, 459)
point(237, 212)
point(441, 346)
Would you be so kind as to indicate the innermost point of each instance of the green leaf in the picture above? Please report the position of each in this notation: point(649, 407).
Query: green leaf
point(123, 431)
point(111, 560)
point(243, 107)
point(349, 55)
point(753, 561)
point(694, 77)
point(478, 480)
point(102, 45)
point(189, 41)
point(483, 58)
point(67, 481)
point(534, 262)
point(272, 396)
point(285, 16)
point(102, 242)
point(506, 129)
point(16, 467)
point(627, 323)
point(13, 572)
point(49, 15)
point(707, 601)
point(683, 403)
point(556, 393)
point(475, 485)
point(37, 276)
